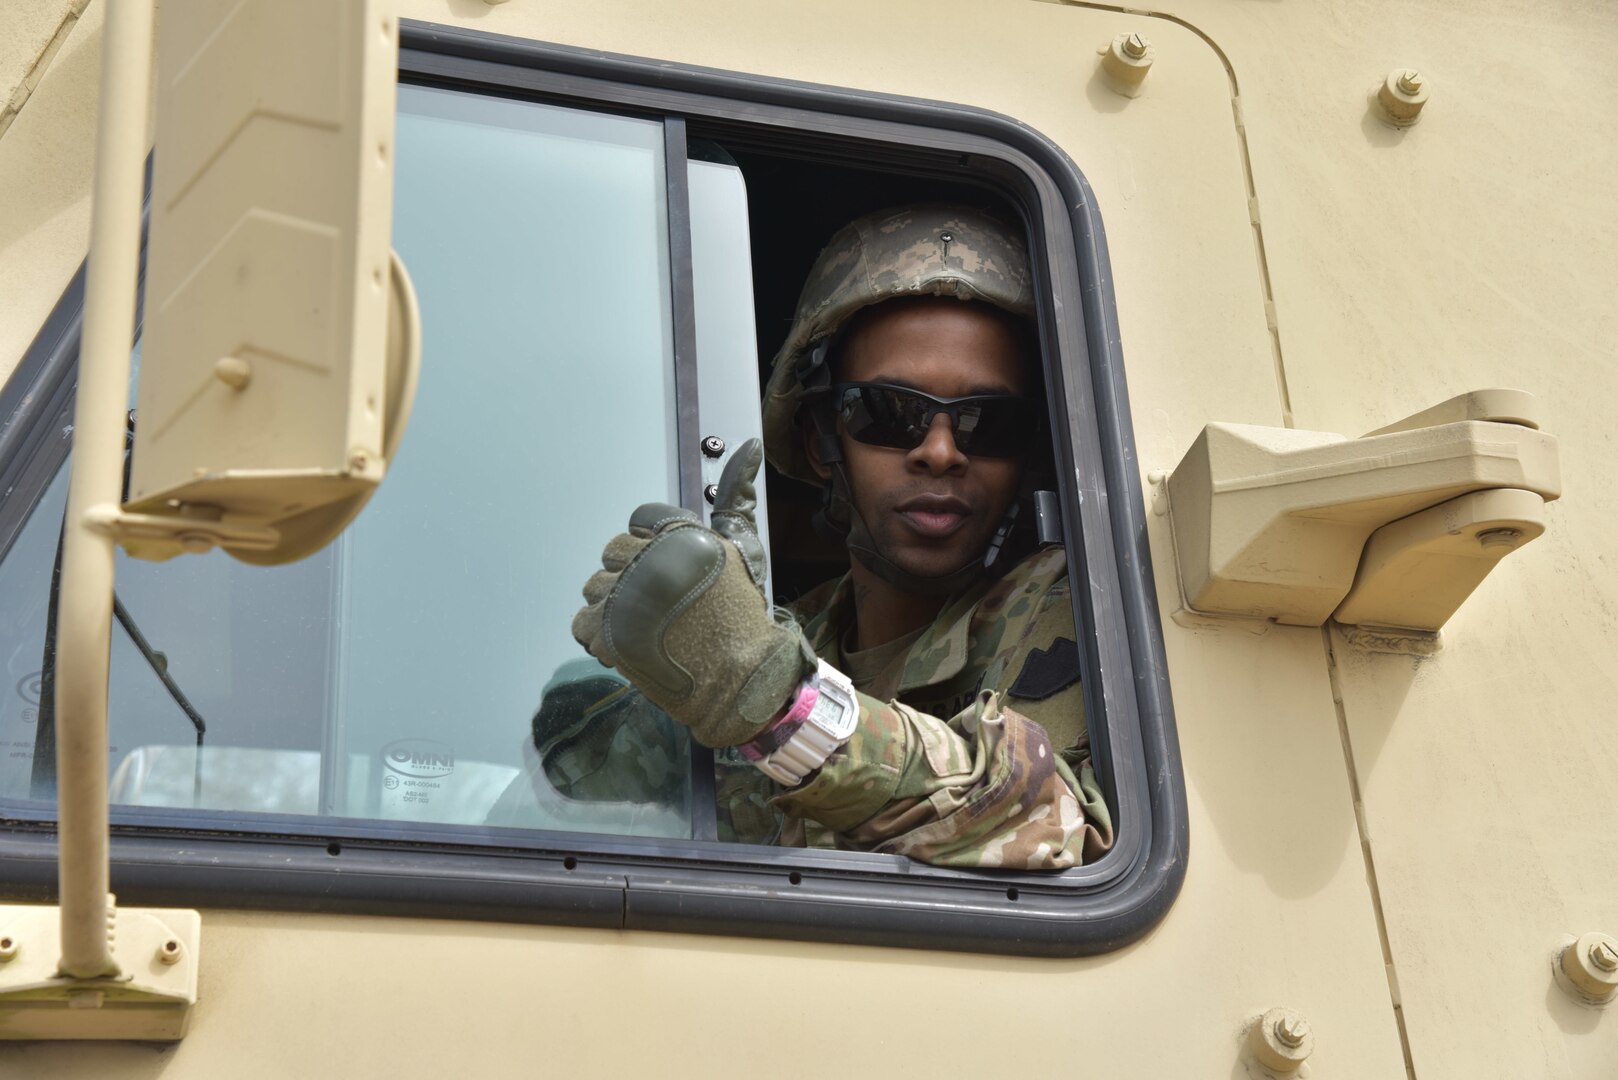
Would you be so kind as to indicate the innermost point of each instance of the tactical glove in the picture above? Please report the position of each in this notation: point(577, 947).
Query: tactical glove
point(679, 609)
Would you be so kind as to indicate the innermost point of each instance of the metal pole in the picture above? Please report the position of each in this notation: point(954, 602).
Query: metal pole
point(84, 626)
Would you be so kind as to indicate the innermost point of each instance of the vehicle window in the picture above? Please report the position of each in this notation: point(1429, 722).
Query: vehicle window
point(605, 249)
point(394, 675)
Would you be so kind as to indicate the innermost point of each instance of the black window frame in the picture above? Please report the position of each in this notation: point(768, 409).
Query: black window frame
point(271, 862)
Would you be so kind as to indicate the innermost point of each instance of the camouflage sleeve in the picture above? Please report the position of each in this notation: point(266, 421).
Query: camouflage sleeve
point(983, 789)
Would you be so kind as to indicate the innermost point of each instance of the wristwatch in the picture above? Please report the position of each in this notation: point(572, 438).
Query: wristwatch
point(820, 719)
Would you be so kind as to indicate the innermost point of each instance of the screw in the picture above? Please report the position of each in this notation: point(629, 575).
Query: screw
point(711, 493)
point(1604, 956)
point(1290, 1031)
point(713, 446)
point(8, 948)
point(1410, 82)
point(169, 951)
point(1134, 46)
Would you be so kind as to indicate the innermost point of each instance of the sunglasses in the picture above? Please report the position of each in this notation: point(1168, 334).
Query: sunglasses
point(987, 425)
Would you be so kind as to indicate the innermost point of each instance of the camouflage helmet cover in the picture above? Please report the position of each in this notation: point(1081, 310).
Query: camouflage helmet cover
point(908, 251)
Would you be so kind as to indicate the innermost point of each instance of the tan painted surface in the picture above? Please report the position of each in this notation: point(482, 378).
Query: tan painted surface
point(46, 155)
point(26, 50)
point(1477, 248)
point(1473, 249)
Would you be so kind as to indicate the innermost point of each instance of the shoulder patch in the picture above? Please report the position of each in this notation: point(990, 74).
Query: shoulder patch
point(1047, 671)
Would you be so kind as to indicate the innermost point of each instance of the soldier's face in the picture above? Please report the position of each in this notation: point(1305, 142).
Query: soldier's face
point(931, 509)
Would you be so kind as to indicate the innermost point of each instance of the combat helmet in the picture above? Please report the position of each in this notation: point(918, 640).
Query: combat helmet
point(910, 251)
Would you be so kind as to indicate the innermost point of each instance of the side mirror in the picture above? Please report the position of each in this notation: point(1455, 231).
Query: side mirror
point(282, 339)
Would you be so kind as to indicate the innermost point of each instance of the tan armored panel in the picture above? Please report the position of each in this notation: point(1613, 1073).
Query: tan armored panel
point(268, 284)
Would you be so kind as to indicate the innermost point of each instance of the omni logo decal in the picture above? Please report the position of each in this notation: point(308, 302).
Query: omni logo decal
point(30, 687)
point(422, 759)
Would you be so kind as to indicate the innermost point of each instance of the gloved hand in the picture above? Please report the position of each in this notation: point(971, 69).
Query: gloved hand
point(679, 609)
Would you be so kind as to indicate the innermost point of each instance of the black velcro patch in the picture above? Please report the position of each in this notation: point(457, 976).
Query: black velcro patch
point(1047, 671)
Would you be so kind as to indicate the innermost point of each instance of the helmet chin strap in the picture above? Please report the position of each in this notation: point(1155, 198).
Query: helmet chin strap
point(839, 519)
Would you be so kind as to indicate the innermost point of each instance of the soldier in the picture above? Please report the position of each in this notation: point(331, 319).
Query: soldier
point(925, 704)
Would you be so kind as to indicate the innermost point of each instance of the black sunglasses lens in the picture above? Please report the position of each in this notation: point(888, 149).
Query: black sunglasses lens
point(997, 427)
point(894, 417)
point(885, 416)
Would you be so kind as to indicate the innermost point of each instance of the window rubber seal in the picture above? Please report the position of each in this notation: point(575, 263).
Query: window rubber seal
point(269, 862)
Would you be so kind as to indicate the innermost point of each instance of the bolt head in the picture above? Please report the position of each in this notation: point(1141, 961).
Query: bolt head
point(1281, 1041)
point(1604, 956)
point(8, 948)
point(711, 493)
point(1588, 968)
point(713, 446)
point(1292, 1030)
point(170, 951)
point(1135, 46)
point(1402, 96)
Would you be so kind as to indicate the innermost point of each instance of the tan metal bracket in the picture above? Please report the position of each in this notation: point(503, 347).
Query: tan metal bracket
point(156, 952)
point(1395, 528)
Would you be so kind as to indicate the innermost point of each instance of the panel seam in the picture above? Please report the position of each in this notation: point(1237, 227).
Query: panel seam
point(1271, 322)
point(36, 72)
point(1360, 824)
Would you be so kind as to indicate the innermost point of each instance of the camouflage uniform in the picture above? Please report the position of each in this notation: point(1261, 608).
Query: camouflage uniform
point(954, 761)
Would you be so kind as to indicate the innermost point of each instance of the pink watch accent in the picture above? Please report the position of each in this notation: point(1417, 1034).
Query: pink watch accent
point(781, 730)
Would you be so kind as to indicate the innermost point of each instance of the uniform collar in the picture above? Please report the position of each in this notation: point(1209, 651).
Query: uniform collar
point(944, 647)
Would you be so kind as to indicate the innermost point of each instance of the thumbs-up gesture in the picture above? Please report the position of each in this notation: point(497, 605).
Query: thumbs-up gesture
point(679, 609)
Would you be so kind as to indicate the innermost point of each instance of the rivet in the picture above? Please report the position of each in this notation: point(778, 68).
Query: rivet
point(8, 948)
point(233, 371)
point(170, 951)
point(947, 237)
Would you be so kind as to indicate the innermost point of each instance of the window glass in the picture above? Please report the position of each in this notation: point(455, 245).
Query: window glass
point(394, 675)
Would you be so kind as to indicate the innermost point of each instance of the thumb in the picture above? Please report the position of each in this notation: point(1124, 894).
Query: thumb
point(737, 498)
point(734, 504)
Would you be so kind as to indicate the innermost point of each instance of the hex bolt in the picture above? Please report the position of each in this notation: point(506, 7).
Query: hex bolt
point(1495, 538)
point(1292, 1030)
point(1604, 956)
point(170, 951)
point(1588, 968)
point(1281, 1041)
point(1402, 96)
point(1125, 60)
point(711, 493)
point(8, 948)
point(713, 446)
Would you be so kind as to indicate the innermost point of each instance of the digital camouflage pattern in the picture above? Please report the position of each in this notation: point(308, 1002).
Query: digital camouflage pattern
point(910, 251)
point(949, 766)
